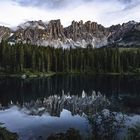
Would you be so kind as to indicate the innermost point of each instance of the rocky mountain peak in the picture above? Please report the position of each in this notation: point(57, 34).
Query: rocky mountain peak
point(33, 24)
point(4, 32)
point(78, 34)
point(125, 34)
point(55, 30)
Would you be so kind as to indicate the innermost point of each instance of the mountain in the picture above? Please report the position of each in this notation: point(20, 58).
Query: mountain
point(53, 33)
point(126, 34)
point(78, 34)
point(4, 32)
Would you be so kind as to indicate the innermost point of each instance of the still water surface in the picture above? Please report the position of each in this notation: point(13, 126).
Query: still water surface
point(122, 91)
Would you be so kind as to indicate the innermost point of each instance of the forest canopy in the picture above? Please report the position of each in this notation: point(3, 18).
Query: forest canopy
point(22, 57)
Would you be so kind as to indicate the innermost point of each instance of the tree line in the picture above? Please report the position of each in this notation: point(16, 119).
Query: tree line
point(21, 57)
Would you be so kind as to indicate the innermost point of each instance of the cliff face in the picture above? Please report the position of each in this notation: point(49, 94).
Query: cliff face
point(87, 33)
point(39, 33)
point(4, 32)
point(78, 34)
point(125, 34)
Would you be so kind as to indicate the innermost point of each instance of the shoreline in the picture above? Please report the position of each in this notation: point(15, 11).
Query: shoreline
point(25, 75)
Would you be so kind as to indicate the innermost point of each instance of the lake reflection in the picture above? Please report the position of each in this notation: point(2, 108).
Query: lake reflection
point(30, 127)
point(25, 100)
point(112, 86)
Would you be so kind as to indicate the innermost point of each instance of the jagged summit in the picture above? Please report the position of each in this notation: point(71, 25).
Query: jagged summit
point(78, 34)
point(34, 24)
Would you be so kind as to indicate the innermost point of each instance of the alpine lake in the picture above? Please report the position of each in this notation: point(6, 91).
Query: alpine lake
point(36, 108)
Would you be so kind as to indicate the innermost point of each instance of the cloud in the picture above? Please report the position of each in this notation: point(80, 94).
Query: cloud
point(43, 3)
point(108, 12)
point(62, 3)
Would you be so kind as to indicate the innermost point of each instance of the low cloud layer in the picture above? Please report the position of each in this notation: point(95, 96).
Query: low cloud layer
point(14, 12)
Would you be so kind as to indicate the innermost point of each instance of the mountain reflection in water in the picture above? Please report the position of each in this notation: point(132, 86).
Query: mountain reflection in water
point(30, 127)
point(55, 104)
point(123, 91)
point(42, 106)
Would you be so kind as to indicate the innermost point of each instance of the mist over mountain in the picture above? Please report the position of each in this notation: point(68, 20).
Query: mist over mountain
point(78, 34)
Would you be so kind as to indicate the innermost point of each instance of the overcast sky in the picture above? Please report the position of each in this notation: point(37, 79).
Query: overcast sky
point(106, 12)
